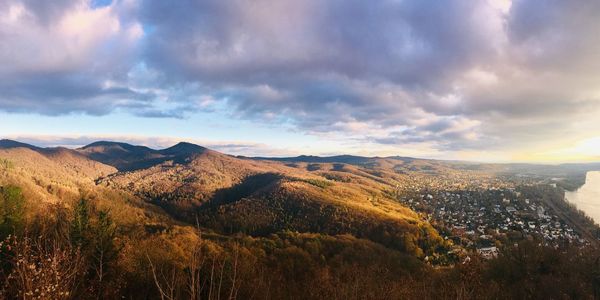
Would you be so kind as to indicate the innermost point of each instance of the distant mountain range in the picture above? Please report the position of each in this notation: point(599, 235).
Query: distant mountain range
point(127, 157)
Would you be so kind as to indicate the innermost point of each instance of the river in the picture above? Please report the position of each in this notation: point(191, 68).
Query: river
point(587, 197)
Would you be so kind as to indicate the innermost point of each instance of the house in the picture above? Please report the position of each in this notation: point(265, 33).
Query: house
point(488, 252)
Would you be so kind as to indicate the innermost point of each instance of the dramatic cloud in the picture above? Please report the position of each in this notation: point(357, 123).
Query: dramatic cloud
point(457, 75)
point(63, 56)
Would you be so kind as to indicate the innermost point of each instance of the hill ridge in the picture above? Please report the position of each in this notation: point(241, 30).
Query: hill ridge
point(7, 144)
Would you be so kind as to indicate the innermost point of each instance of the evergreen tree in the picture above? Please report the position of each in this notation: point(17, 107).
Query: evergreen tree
point(105, 251)
point(80, 224)
point(11, 209)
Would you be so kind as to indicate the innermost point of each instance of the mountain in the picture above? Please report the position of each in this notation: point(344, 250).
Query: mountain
point(66, 160)
point(49, 174)
point(9, 144)
point(187, 220)
point(398, 162)
point(349, 159)
point(332, 195)
point(182, 149)
point(122, 156)
point(226, 193)
point(126, 157)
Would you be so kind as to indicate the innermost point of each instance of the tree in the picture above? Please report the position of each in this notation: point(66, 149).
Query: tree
point(104, 252)
point(11, 209)
point(80, 224)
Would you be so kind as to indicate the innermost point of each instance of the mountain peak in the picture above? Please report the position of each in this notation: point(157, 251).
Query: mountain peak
point(108, 144)
point(183, 148)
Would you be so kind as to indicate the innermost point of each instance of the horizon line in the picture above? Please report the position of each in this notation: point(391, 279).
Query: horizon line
point(183, 141)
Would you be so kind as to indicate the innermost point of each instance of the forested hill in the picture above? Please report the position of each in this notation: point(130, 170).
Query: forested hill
point(112, 220)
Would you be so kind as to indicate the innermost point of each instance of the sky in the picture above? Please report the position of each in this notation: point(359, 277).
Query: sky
point(489, 80)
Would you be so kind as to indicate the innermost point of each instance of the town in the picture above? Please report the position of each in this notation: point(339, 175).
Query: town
point(482, 220)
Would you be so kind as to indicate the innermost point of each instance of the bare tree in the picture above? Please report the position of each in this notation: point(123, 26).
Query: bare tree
point(43, 271)
point(218, 283)
point(165, 283)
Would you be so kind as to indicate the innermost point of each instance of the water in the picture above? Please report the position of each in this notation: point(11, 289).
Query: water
point(587, 197)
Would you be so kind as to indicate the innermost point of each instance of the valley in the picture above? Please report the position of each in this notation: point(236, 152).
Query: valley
point(167, 218)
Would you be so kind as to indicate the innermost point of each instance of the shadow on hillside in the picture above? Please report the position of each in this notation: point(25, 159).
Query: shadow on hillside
point(247, 187)
point(338, 167)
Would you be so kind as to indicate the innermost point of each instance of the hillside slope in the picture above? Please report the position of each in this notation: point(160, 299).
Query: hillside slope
point(59, 177)
point(224, 193)
point(49, 174)
point(260, 197)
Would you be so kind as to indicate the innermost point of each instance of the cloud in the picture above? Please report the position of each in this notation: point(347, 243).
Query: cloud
point(326, 66)
point(65, 56)
point(483, 75)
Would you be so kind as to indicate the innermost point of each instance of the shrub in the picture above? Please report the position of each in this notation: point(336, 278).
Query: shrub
point(316, 182)
point(6, 164)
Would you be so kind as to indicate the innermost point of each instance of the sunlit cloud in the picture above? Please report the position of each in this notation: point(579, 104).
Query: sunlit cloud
point(498, 78)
